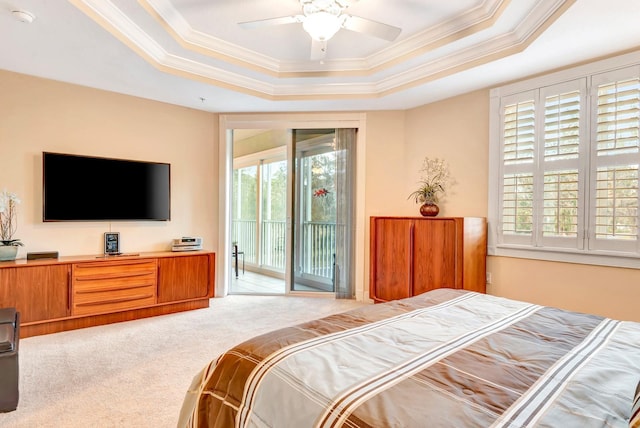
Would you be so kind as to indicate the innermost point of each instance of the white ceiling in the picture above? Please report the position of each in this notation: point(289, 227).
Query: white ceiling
point(193, 53)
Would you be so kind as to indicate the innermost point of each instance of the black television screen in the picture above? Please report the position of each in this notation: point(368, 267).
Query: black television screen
point(85, 188)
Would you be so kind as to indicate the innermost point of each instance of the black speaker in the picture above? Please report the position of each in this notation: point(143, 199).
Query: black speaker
point(42, 255)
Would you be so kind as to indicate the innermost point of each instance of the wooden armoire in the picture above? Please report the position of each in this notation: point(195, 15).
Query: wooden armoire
point(412, 255)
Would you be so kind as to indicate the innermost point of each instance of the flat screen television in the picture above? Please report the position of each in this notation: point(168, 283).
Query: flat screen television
point(87, 188)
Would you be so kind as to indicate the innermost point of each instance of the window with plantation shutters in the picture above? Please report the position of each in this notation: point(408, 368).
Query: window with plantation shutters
point(542, 141)
point(561, 144)
point(616, 156)
point(565, 173)
point(518, 162)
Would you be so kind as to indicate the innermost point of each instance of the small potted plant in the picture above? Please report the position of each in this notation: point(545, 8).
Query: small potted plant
point(8, 226)
point(434, 179)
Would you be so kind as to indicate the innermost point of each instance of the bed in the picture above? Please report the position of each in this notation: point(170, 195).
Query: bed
point(444, 358)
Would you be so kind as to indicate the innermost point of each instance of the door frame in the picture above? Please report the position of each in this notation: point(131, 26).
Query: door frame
point(229, 122)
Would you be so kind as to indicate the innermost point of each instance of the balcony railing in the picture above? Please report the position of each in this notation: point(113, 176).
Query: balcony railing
point(243, 233)
point(317, 246)
point(273, 245)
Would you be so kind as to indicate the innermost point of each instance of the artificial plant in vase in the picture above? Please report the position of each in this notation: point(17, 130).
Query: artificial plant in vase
point(434, 179)
point(8, 226)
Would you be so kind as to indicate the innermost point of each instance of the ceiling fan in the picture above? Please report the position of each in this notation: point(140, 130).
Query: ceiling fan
point(322, 19)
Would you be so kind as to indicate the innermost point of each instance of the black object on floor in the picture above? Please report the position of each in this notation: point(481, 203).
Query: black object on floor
point(9, 342)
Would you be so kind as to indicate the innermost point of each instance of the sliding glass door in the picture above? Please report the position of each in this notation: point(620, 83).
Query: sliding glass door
point(291, 211)
point(259, 212)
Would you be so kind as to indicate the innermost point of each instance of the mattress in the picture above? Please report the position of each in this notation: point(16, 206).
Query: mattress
point(443, 358)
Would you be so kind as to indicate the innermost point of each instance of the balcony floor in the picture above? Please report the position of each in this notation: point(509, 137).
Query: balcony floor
point(255, 283)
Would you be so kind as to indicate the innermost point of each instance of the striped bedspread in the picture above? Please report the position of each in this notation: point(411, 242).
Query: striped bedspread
point(446, 358)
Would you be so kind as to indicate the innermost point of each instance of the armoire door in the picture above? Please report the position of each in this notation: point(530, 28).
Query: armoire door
point(391, 258)
point(434, 255)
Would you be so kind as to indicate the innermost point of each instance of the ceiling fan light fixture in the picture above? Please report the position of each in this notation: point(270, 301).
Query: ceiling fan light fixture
point(321, 25)
point(23, 16)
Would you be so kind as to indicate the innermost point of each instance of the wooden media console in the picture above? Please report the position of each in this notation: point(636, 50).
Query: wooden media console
point(55, 295)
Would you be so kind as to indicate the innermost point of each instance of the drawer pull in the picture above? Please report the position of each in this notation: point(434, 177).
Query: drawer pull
point(113, 288)
point(120, 300)
point(114, 263)
point(114, 275)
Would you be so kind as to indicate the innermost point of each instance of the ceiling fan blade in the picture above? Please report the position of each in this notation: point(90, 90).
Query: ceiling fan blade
point(318, 50)
point(372, 28)
point(271, 21)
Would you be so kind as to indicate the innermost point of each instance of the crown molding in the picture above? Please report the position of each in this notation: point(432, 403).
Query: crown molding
point(470, 22)
point(438, 58)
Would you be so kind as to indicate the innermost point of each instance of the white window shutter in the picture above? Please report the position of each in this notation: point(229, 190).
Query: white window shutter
point(615, 154)
point(562, 172)
point(517, 167)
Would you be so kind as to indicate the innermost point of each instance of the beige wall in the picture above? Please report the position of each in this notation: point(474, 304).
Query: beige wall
point(606, 291)
point(39, 115)
point(384, 163)
point(457, 130)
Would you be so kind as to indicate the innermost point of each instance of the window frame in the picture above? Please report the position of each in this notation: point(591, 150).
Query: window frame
point(535, 247)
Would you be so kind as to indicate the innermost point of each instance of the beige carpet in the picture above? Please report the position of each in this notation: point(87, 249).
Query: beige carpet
point(135, 374)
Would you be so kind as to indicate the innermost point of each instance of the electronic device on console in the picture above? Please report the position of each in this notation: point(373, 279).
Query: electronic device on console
point(187, 243)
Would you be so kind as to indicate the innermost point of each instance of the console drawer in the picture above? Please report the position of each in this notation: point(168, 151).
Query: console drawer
point(112, 286)
point(87, 303)
point(113, 269)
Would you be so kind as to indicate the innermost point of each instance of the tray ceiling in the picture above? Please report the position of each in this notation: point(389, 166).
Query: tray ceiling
point(195, 53)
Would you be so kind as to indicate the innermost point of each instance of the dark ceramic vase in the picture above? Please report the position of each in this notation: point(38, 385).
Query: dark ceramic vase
point(429, 209)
